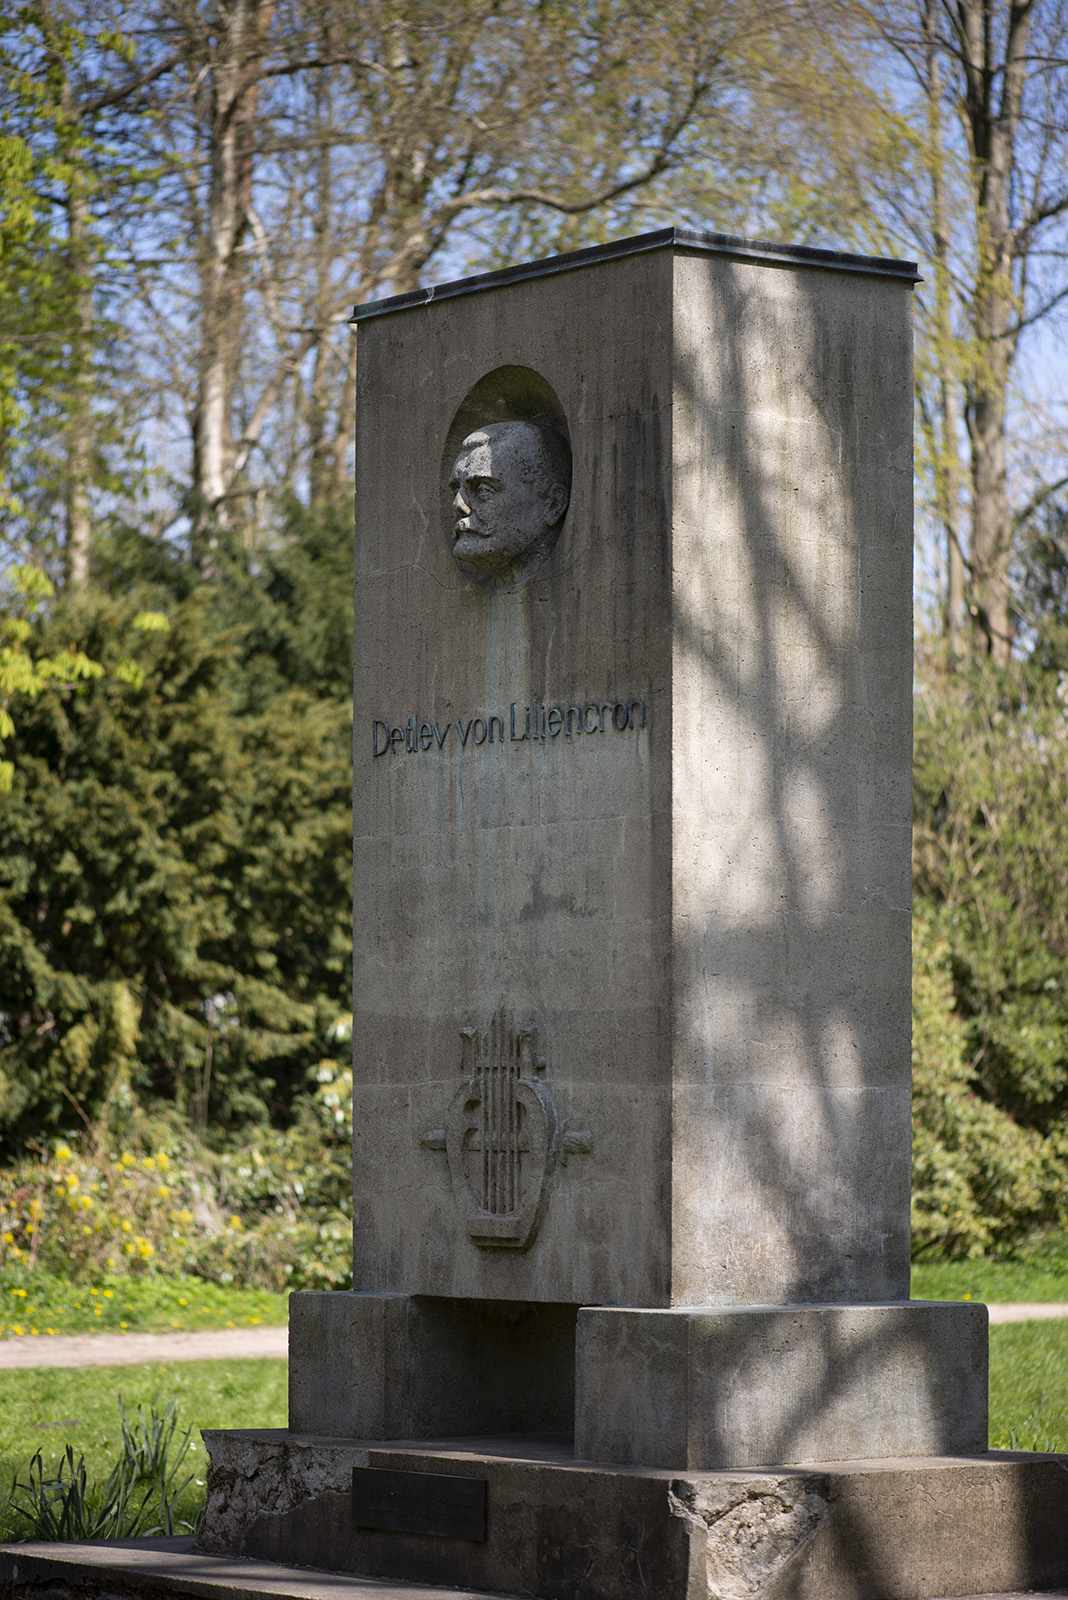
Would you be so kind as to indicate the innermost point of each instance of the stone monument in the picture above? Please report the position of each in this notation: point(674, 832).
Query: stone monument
point(633, 699)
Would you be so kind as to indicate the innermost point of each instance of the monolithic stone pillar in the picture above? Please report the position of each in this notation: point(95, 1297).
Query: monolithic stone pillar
point(633, 828)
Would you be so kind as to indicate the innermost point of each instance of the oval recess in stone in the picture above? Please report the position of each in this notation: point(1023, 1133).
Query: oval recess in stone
point(506, 477)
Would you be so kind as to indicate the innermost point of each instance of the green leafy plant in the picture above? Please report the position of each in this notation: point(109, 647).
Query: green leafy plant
point(980, 1180)
point(137, 1498)
point(990, 999)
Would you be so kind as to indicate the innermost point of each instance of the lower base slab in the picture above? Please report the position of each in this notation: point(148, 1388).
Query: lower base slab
point(163, 1569)
point(564, 1529)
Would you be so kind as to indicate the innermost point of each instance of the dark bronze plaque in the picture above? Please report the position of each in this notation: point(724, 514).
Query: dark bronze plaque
point(419, 1502)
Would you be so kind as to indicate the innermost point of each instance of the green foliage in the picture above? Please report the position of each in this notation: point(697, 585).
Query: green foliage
point(991, 998)
point(64, 169)
point(175, 854)
point(25, 588)
point(33, 265)
point(980, 1181)
point(136, 1499)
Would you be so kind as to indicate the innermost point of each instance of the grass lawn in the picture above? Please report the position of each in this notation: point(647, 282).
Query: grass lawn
point(995, 1281)
point(37, 1304)
point(1029, 1386)
point(47, 1408)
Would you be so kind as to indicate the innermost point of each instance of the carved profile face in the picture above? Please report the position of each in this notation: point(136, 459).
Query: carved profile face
point(510, 492)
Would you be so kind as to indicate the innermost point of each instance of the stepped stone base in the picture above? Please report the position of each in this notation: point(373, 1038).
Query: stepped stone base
point(690, 1388)
point(566, 1529)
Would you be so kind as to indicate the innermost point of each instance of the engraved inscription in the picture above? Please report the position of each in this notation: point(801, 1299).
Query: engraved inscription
point(503, 1137)
point(522, 724)
point(420, 1502)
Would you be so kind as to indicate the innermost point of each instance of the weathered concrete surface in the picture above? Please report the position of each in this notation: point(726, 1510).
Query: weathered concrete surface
point(557, 1526)
point(702, 912)
point(367, 1366)
point(149, 1569)
point(748, 1386)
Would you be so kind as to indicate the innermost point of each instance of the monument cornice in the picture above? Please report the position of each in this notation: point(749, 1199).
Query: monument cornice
point(689, 239)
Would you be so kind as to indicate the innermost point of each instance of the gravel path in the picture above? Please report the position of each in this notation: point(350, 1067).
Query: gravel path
point(1026, 1313)
point(130, 1349)
point(231, 1344)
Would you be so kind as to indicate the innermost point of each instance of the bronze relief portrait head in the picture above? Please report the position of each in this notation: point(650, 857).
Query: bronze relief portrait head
point(505, 478)
point(510, 487)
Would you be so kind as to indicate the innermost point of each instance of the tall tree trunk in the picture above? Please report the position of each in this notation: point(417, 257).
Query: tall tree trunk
point(346, 421)
point(993, 93)
point(946, 447)
point(231, 97)
point(955, 603)
point(79, 430)
point(320, 476)
point(80, 424)
point(991, 524)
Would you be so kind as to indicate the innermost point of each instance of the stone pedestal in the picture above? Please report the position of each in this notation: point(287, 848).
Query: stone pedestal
point(632, 769)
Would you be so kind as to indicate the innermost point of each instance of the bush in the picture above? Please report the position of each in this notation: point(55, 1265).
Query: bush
point(175, 851)
point(990, 877)
point(980, 1183)
point(272, 1212)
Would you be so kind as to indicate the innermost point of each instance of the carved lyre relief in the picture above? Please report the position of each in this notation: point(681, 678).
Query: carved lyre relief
point(503, 1137)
